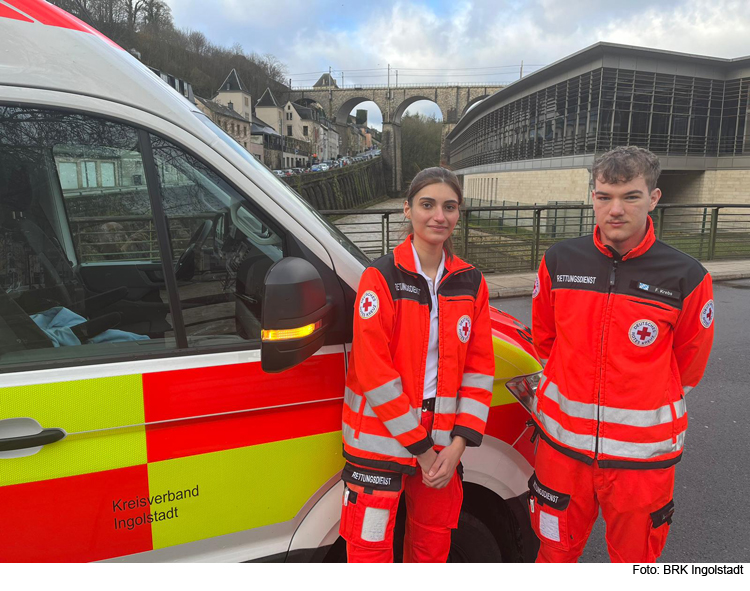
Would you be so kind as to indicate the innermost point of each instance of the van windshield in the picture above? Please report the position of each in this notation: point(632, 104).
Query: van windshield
point(337, 234)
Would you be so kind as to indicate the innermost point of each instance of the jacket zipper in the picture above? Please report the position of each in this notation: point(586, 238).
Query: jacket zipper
point(429, 305)
point(605, 329)
point(429, 308)
point(437, 293)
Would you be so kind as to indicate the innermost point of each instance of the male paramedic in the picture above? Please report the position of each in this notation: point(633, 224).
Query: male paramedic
point(623, 324)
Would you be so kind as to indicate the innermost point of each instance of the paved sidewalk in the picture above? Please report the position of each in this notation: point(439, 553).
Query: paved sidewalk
point(512, 285)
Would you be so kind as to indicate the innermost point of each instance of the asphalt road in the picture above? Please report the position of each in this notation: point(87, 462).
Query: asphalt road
point(712, 488)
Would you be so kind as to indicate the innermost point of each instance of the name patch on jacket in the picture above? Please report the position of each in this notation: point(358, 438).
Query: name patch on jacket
point(588, 279)
point(655, 289)
point(372, 478)
point(406, 287)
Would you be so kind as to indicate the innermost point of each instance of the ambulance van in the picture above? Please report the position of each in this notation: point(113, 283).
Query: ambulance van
point(174, 325)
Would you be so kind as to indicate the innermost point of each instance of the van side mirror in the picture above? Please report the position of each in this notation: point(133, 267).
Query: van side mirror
point(295, 316)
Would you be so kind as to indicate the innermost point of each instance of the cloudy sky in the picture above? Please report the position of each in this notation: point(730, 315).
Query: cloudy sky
point(457, 40)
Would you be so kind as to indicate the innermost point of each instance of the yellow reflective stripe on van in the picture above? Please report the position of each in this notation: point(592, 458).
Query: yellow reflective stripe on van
point(78, 406)
point(238, 489)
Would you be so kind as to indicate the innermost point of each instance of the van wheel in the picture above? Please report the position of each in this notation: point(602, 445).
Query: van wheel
point(473, 542)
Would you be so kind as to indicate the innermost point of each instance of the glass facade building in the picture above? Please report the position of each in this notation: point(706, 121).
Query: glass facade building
point(592, 110)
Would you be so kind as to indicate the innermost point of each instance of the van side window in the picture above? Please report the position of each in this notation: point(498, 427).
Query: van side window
point(80, 270)
point(222, 250)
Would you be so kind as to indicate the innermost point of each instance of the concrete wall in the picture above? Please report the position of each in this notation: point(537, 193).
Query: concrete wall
point(725, 186)
point(707, 187)
point(529, 187)
point(342, 188)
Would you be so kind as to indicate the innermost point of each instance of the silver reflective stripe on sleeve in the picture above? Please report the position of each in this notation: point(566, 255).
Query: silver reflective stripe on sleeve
point(478, 380)
point(544, 362)
point(473, 408)
point(442, 437)
point(353, 401)
point(686, 389)
point(375, 443)
point(445, 405)
point(384, 393)
point(368, 410)
point(403, 424)
point(574, 440)
point(640, 451)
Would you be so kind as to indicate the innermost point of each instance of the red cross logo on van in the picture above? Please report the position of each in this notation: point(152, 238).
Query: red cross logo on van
point(368, 305)
point(464, 328)
point(643, 333)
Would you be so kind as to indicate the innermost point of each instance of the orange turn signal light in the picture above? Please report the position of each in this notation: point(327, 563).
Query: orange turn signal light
point(288, 334)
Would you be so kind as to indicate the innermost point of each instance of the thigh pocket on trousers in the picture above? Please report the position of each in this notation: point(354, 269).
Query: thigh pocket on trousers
point(548, 510)
point(368, 518)
point(663, 516)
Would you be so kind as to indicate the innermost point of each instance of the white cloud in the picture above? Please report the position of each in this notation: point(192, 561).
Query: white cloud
point(718, 28)
point(310, 37)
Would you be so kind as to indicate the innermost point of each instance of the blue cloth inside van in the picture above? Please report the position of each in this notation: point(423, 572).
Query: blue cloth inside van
point(57, 323)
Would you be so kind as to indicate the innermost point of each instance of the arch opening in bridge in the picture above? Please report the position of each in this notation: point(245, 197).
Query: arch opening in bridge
point(418, 104)
point(350, 106)
point(421, 123)
point(355, 138)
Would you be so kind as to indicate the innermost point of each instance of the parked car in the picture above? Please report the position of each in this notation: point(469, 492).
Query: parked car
point(279, 172)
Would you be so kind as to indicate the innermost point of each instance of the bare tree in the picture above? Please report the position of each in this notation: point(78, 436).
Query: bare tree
point(197, 42)
point(156, 15)
point(133, 9)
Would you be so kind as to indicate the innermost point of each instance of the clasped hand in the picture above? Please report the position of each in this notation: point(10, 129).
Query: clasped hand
point(438, 468)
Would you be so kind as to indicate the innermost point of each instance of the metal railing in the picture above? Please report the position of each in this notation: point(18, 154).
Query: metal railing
point(495, 238)
point(513, 238)
point(130, 237)
point(404, 85)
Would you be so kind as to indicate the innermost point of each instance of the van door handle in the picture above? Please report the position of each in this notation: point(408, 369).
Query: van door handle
point(45, 437)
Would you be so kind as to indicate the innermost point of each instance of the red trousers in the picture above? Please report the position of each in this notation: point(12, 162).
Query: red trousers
point(564, 500)
point(368, 514)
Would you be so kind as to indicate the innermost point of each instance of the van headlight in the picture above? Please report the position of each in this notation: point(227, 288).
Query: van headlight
point(524, 388)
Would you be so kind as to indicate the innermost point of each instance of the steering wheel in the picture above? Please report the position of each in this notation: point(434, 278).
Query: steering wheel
point(184, 267)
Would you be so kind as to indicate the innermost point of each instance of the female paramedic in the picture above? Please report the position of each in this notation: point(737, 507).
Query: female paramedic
point(419, 384)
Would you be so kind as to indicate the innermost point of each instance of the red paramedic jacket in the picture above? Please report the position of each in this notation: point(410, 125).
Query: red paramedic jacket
point(385, 381)
point(623, 339)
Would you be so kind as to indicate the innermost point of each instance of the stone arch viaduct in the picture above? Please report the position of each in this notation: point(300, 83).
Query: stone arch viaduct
point(453, 101)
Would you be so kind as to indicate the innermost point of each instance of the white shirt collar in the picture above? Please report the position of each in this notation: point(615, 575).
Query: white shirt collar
point(418, 265)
